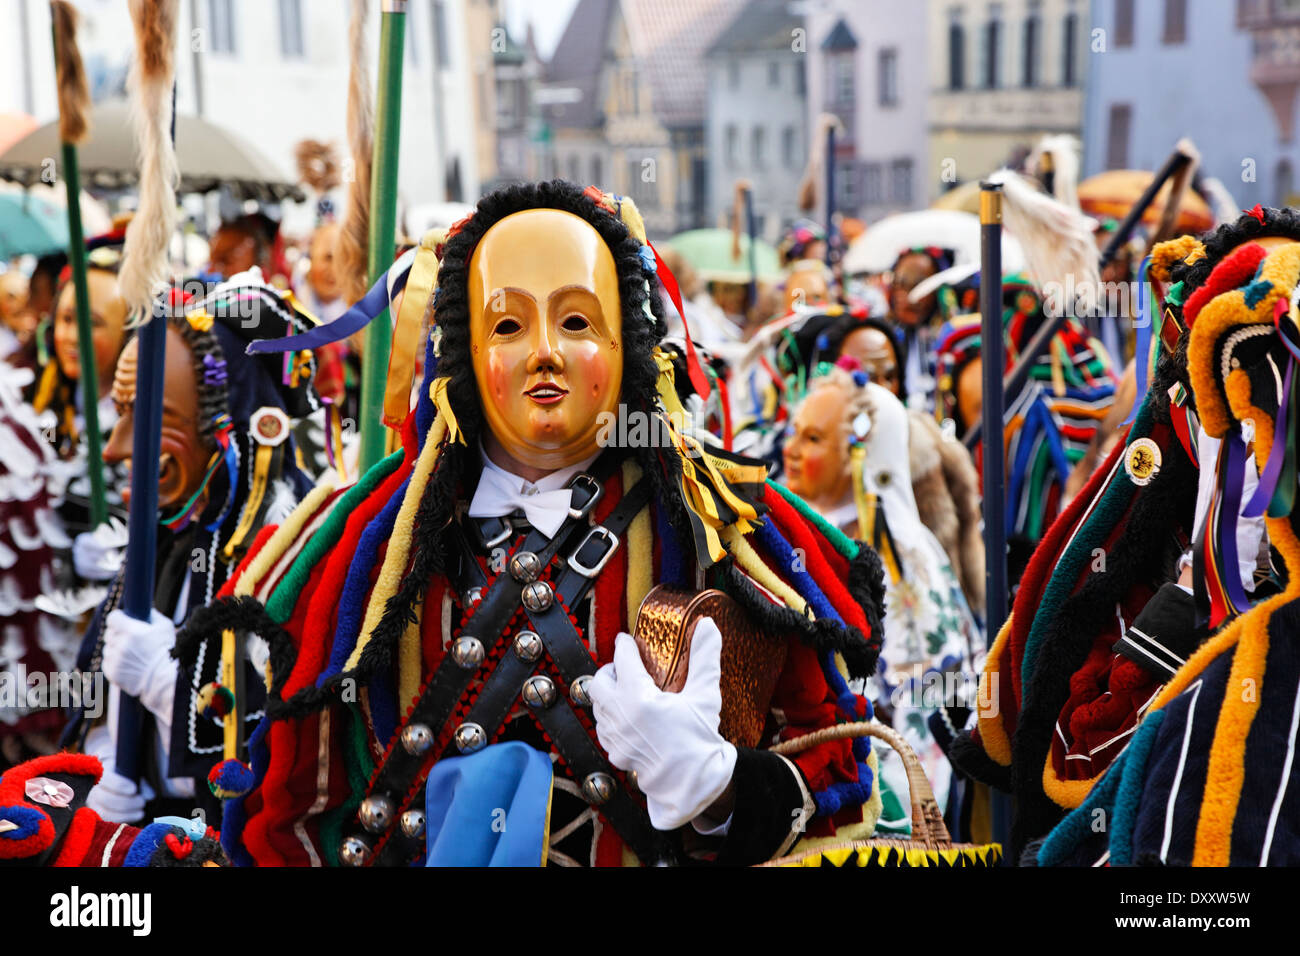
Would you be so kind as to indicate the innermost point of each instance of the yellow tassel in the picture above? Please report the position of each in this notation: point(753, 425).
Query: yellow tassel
point(399, 542)
point(640, 548)
point(749, 561)
point(442, 402)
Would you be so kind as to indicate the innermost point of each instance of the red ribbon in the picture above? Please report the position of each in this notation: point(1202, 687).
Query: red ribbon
point(693, 369)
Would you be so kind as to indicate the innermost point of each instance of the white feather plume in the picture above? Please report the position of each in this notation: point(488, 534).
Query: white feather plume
point(1057, 240)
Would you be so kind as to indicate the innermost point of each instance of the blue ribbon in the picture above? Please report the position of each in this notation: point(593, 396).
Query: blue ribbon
point(353, 320)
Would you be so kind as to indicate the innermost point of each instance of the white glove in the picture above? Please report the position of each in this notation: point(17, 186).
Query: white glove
point(672, 742)
point(95, 557)
point(136, 659)
point(116, 798)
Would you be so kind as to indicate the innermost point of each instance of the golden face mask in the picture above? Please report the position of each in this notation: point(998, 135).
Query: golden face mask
point(546, 336)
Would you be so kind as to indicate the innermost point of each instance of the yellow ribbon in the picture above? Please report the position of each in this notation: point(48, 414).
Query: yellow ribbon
point(420, 284)
point(442, 402)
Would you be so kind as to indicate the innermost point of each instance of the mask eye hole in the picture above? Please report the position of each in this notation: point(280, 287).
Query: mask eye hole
point(884, 478)
point(575, 323)
point(507, 327)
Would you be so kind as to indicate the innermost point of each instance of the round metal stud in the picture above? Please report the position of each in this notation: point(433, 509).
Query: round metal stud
point(598, 788)
point(538, 596)
point(412, 823)
point(528, 646)
point(354, 851)
point(472, 596)
point(633, 782)
point(539, 692)
point(470, 738)
point(417, 739)
point(578, 691)
point(467, 652)
point(376, 813)
point(525, 567)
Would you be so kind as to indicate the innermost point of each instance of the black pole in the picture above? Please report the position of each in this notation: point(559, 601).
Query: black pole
point(994, 465)
point(751, 295)
point(830, 196)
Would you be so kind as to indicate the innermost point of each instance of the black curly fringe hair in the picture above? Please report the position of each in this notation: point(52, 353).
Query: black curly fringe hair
point(212, 398)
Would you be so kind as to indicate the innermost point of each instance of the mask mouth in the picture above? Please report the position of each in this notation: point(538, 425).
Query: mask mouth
point(546, 393)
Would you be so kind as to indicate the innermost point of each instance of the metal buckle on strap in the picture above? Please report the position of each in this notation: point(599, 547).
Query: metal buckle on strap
point(503, 533)
point(609, 541)
point(589, 487)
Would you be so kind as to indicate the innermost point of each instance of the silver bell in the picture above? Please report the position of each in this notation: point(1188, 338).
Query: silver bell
point(467, 652)
point(412, 823)
point(539, 692)
point(525, 567)
point(598, 788)
point(578, 691)
point(354, 851)
point(376, 813)
point(538, 596)
point(528, 646)
point(417, 739)
point(470, 738)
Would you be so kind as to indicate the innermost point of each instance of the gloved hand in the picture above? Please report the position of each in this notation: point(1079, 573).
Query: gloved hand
point(116, 798)
point(136, 659)
point(97, 555)
point(672, 742)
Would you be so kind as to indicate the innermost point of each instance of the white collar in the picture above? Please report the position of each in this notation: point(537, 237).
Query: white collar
point(545, 501)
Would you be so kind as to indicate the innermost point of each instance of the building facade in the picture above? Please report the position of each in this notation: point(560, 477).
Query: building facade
point(757, 115)
point(867, 65)
point(1223, 74)
point(1002, 75)
point(276, 72)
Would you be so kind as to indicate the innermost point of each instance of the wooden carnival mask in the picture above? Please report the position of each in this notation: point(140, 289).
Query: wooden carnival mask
point(107, 324)
point(874, 352)
point(185, 452)
point(546, 334)
point(817, 452)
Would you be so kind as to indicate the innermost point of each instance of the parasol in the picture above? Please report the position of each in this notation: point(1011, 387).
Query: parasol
point(1112, 194)
point(709, 253)
point(209, 156)
point(878, 248)
point(963, 198)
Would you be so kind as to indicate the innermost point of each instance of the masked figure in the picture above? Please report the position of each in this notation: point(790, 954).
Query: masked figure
point(227, 467)
point(848, 457)
point(451, 634)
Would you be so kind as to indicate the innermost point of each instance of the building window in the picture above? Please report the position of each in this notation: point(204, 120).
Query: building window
point(956, 56)
point(758, 142)
point(790, 147)
point(800, 79)
point(887, 80)
point(1069, 46)
point(1175, 22)
point(873, 193)
point(597, 172)
point(441, 48)
point(643, 193)
point(732, 147)
point(992, 48)
point(1121, 118)
point(1123, 22)
point(574, 174)
point(774, 75)
point(221, 26)
point(900, 181)
point(733, 75)
point(845, 87)
point(1029, 61)
point(291, 28)
point(1284, 184)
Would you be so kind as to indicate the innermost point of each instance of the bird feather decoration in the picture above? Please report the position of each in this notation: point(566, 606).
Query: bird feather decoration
point(145, 265)
point(1060, 154)
point(1056, 239)
point(353, 241)
point(74, 93)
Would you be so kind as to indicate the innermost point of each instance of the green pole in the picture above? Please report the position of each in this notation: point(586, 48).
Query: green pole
point(383, 225)
point(85, 343)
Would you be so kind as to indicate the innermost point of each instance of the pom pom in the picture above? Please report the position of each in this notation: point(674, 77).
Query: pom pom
point(230, 779)
point(214, 701)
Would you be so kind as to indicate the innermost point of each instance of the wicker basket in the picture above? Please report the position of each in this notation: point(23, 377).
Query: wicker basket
point(930, 844)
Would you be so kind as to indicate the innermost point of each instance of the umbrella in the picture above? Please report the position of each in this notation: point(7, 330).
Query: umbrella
point(709, 253)
point(208, 155)
point(13, 127)
point(1112, 194)
point(31, 225)
point(878, 248)
point(963, 198)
